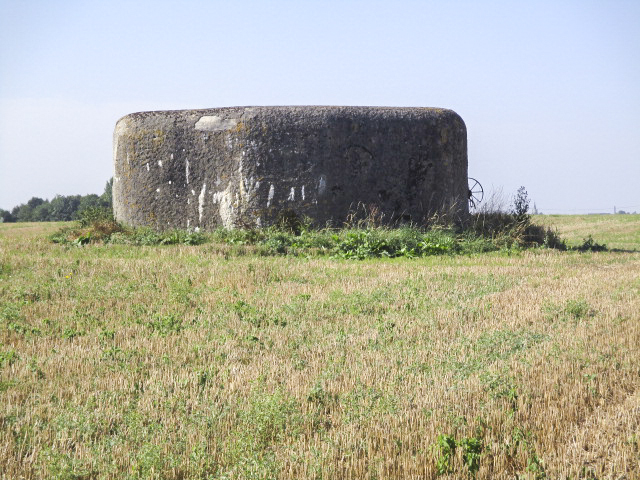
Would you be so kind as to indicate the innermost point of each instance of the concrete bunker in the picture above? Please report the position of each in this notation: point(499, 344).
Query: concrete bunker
point(245, 166)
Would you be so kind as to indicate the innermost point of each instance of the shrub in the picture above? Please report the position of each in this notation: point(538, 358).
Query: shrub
point(520, 206)
point(360, 244)
point(94, 224)
point(93, 215)
point(513, 228)
point(590, 245)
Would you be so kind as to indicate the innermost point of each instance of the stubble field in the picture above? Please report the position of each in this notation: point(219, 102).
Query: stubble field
point(198, 362)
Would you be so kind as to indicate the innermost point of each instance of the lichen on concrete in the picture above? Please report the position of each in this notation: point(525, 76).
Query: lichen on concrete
point(245, 166)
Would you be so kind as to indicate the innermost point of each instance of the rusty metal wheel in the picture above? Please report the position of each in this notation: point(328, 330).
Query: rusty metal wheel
point(476, 193)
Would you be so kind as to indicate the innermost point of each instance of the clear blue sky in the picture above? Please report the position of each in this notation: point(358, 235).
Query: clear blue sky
point(549, 90)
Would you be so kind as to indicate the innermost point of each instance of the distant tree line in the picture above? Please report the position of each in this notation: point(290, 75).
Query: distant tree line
point(60, 208)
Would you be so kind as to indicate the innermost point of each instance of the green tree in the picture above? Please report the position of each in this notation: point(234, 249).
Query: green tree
point(107, 197)
point(22, 212)
point(42, 213)
point(6, 217)
point(87, 201)
point(63, 208)
point(35, 202)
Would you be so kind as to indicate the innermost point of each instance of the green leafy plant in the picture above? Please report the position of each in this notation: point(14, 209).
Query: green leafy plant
point(578, 309)
point(35, 368)
point(444, 450)
point(70, 333)
point(8, 358)
point(164, 325)
point(361, 244)
point(23, 329)
point(535, 465)
point(502, 386)
point(572, 310)
point(471, 452)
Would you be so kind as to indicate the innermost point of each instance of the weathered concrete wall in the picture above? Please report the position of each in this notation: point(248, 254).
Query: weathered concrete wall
point(245, 166)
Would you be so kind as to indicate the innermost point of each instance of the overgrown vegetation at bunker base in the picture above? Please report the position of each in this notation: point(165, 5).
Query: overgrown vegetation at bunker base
point(208, 362)
point(363, 236)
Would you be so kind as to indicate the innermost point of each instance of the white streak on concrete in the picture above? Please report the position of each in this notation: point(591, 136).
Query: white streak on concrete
point(201, 202)
point(272, 191)
point(187, 223)
point(243, 184)
point(172, 156)
point(226, 209)
point(121, 127)
point(249, 186)
point(292, 194)
point(216, 197)
point(322, 184)
point(160, 163)
point(302, 192)
point(147, 166)
point(186, 170)
point(214, 123)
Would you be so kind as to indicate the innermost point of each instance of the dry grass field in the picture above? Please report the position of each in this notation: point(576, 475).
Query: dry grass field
point(198, 362)
point(616, 231)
